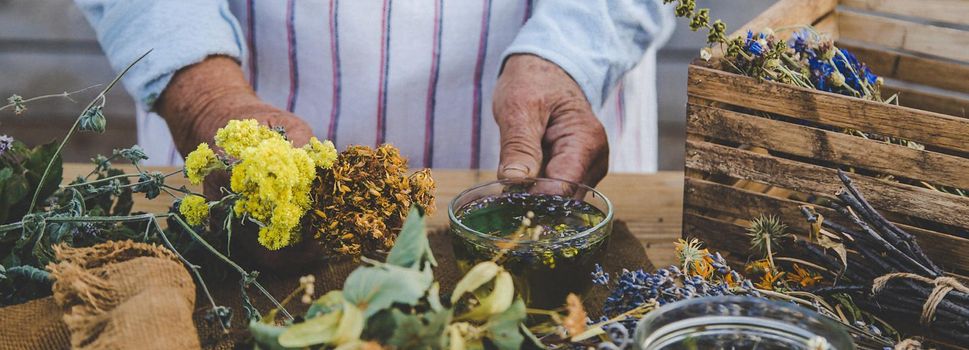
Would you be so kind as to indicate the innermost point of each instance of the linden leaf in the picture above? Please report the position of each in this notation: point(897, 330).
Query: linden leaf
point(414, 331)
point(375, 288)
point(495, 302)
point(329, 302)
point(266, 336)
point(477, 276)
point(503, 327)
point(412, 247)
point(335, 328)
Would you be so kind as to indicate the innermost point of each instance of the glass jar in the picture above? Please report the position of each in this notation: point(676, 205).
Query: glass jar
point(738, 323)
point(576, 220)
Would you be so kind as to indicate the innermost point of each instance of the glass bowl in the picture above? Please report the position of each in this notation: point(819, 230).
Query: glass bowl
point(738, 323)
point(576, 221)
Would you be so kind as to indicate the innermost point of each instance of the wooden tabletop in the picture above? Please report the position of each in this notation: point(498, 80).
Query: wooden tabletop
point(650, 204)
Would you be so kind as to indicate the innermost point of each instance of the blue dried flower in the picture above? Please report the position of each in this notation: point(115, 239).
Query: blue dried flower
point(799, 42)
point(753, 46)
point(6, 143)
point(600, 277)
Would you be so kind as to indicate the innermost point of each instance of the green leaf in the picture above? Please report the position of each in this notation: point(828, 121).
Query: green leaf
point(419, 331)
point(412, 248)
point(36, 163)
point(30, 273)
point(266, 336)
point(335, 328)
point(314, 331)
point(329, 302)
point(476, 277)
point(503, 327)
point(497, 301)
point(375, 288)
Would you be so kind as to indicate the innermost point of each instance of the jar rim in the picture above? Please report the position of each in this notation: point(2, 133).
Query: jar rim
point(607, 220)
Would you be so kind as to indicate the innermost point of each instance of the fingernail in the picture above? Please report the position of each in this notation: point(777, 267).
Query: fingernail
point(514, 170)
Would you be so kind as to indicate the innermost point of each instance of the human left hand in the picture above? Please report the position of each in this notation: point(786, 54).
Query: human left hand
point(547, 126)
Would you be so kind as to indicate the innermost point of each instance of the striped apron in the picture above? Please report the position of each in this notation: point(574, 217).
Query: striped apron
point(416, 74)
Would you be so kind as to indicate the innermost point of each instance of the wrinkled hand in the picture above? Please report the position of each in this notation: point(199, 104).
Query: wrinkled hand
point(203, 97)
point(547, 126)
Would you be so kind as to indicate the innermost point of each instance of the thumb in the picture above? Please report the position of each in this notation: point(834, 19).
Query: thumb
point(521, 145)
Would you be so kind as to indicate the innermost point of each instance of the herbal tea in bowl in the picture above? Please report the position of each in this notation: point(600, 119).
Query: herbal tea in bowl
point(548, 233)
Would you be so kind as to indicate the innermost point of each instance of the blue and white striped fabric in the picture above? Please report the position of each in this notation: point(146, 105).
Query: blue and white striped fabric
point(417, 74)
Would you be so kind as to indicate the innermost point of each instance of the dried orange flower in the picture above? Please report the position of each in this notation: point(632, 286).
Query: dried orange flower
point(574, 322)
point(803, 277)
point(360, 203)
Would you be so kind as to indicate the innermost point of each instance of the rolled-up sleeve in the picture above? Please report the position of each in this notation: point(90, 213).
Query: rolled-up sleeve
point(595, 41)
point(179, 33)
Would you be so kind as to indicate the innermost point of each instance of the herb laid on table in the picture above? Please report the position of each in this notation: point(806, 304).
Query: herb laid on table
point(398, 304)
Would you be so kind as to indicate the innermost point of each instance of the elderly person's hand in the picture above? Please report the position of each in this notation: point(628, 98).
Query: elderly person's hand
point(203, 97)
point(547, 126)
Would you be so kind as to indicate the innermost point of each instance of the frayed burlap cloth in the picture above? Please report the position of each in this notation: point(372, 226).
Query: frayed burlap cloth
point(113, 298)
point(114, 295)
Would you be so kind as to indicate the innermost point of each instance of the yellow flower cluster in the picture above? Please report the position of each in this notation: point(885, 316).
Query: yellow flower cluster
point(239, 135)
point(362, 201)
point(195, 209)
point(200, 163)
point(322, 153)
point(271, 177)
point(273, 180)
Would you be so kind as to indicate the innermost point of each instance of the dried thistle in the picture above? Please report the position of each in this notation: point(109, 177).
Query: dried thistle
point(765, 234)
point(361, 202)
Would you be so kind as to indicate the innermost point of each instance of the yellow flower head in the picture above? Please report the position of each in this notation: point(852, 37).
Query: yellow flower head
point(200, 163)
point(195, 209)
point(323, 153)
point(239, 135)
point(273, 180)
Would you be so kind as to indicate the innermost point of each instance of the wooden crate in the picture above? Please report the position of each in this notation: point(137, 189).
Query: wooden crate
point(741, 164)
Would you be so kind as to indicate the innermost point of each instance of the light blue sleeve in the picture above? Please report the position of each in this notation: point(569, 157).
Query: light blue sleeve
point(595, 41)
point(180, 33)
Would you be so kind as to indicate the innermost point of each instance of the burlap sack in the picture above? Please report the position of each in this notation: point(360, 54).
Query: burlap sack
point(114, 295)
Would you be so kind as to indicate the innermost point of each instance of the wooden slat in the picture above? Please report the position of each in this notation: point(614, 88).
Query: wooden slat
point(945, 249)
point(830, 109)
point(721, 236)
point(786, 13)
point(914, 97)
point(828, 146)
point(920, 70)
point(903, 35)
point(951, 11)
point(885, 195)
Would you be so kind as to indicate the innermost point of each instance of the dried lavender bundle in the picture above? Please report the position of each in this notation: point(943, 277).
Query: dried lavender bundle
point(887, 272)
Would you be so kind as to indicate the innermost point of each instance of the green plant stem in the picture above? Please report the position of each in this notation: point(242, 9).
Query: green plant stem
point(122, 176)
point(65, 94)
point(73, 129)
point(246, 275)
point(194, 268)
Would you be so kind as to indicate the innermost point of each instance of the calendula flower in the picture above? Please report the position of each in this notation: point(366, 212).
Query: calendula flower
point(768, 280)
point(803, 277)
point(322, 153)
point(200, 163)
point(574, 322)
point(195, 209)
point(239, 135)
point(273, 180)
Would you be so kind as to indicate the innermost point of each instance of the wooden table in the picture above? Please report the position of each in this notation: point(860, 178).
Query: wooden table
point(650, 204)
